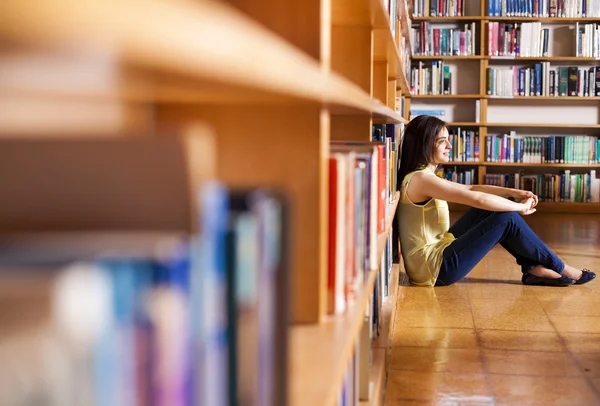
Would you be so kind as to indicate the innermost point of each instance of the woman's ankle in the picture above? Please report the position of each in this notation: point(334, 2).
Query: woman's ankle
point(572, 272)
point(544, 272)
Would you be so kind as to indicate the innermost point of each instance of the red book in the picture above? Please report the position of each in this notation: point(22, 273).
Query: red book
point(337, 237)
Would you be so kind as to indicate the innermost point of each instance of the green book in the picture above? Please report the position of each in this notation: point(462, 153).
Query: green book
point(563, 80)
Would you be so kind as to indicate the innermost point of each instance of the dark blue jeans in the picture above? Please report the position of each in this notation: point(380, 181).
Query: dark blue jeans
point(478, 231)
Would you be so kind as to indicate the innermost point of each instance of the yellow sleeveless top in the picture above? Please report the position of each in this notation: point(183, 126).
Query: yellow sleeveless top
point(423, 235)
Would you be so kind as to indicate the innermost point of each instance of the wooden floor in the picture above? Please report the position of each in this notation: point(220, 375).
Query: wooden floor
point(489, 340)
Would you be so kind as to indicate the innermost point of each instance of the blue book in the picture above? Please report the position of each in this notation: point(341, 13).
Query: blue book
point(212, 386)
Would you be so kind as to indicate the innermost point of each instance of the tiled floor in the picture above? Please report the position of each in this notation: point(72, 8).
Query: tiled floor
point(489, 340)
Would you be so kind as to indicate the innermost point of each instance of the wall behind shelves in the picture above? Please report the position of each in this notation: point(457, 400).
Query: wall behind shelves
point(543, 111)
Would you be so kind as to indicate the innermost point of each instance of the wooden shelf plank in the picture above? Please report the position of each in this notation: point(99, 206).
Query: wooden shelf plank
point(319, 353)
point(542, 58)
point(551, 98)
point(449, 19)
point(540, 165)
point(171, 47)
point(377, 378)
point(446, 96)
point(447, 57)
point(461, 163)
point(485, 96)
point(522, 165)
point(539, 125)
point(381, 345)
point(548, 20)
point(464, 124)
point(388, 312)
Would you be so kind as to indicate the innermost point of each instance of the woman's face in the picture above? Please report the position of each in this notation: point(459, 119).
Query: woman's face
point(441, 147)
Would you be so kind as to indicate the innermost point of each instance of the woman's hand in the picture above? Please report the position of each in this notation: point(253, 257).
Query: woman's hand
point(528, 206)
point(522, 195)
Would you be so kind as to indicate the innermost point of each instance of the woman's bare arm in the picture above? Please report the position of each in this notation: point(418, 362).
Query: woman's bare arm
point(443, 189)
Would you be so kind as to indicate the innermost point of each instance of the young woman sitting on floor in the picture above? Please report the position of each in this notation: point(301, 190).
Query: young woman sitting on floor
point(436, 254)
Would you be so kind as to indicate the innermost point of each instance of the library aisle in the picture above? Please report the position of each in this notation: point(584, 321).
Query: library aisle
point(489, 340)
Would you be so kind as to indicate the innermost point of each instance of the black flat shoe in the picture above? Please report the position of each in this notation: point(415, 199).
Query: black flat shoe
point(586, 276)
point(529, 279)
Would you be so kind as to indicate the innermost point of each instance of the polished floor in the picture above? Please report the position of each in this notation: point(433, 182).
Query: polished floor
point(489, 340)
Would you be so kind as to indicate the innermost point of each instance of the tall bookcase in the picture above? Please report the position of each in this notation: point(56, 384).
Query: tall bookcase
point(274, 81)
point(527, 115)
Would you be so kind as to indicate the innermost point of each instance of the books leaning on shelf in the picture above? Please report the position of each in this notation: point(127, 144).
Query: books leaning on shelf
point(434, 8)
point(517, 39)
point(551, 149)
point(356, 381)
point(163, 318)
point(544, 8)
point(587, 40)
point(361, 185)
point(541, 80)
point(563, 187)
point(444, 41)
point(465, 145)
point(434, 79)
point(454, 174)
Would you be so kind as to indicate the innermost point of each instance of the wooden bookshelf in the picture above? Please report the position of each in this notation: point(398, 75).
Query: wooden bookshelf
point(320, 352)
point(192, 71)
point(495, 110)
point(273, 84)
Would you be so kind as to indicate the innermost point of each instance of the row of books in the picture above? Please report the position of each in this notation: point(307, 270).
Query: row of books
point(391, 6)
point(438, 8)
point(541, 80)
point(564, 187)
point(162, 318)
point(518, 39)
point(587, 40)
point(544, 8)
point(361, 185)
point(434, 79)
point(390, 135)
point(458, 175)
point(356, 384)
point(444, 41)
point(552, 149)
point(465, 145)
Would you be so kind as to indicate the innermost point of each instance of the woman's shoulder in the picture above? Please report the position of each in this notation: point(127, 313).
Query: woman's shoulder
point(418, 173)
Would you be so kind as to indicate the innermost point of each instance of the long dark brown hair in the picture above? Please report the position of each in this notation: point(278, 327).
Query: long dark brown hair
point(418, 144)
